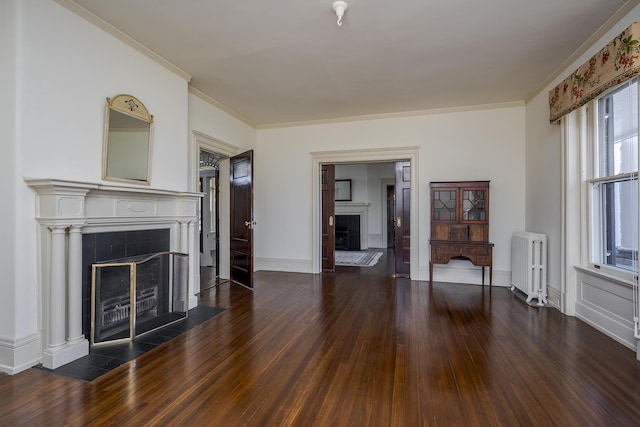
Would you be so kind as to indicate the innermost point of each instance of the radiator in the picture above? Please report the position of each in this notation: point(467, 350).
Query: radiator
point(528, 265)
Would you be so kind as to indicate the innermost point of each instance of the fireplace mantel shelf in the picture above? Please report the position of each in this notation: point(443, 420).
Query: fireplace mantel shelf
point(61, 184)
point(84, 203)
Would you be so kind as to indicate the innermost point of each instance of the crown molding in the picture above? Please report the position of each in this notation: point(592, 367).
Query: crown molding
point(110, 29)
point(447, 110)
point(221, 106)
point(608, 25)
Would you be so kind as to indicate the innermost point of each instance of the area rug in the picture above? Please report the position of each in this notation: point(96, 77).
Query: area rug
point(357, 258)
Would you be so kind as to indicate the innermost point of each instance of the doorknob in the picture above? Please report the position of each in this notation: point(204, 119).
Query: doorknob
point(250, 224)
point(398, 222)
point(331, 221)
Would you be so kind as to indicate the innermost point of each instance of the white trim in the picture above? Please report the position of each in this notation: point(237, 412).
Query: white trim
point(201, 141)
point(123, 37)
point(220, 106)
point(215, 145)
point(606, 305)
point(283, 264)
point(571, 209)
point(365, 156)
point(19, 354)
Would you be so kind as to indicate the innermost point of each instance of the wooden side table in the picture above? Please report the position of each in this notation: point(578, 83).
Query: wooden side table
point(480, 254)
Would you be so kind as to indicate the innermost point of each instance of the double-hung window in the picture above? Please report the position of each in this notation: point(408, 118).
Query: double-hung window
point(613, 181)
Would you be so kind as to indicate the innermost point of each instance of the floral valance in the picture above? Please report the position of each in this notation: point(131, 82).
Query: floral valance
point(616, 62)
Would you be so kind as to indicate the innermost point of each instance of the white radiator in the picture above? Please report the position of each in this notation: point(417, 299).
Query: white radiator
point(528, 265)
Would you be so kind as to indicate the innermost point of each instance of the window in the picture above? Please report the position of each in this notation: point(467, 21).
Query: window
point(613, 180)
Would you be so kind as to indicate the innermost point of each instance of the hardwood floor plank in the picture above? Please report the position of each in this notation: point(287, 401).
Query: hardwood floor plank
point(355, 348)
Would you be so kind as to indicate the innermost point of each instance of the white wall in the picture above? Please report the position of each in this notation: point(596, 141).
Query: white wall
point(544, 187)
point(486, 144)
point(8, 179)
point(378, 172)
point(603, 303)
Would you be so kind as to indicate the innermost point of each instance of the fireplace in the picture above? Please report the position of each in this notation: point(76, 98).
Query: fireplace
point(76, 218)
point(347, 232)
point(137, 295)
point(354, 218)
point(115, 246)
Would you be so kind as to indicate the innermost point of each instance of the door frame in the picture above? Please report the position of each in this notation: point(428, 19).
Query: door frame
point(201, 141)
point(378, 155)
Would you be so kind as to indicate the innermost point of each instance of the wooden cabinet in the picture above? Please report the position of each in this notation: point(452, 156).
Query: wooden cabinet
point(460, 224)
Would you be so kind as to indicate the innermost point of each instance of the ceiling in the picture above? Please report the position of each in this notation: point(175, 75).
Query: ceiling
point(282, 61)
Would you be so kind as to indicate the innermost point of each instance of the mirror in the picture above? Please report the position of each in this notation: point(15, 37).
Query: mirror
point(127, 141)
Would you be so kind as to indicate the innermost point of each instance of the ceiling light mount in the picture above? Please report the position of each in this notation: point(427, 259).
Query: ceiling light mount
point(340, 7)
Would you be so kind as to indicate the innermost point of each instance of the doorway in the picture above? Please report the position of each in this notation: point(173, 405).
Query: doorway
point(209, 185)
point(372, 218)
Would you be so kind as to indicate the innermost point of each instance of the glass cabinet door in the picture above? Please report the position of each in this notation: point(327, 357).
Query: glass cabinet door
point(444, 205)
point(473, 205)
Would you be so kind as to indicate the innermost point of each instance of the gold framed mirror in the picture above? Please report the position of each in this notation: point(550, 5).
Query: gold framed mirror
point(128, 136)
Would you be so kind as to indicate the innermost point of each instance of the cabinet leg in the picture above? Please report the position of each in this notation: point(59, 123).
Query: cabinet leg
point(490, 275)
point(430, 272)
point(483, 276)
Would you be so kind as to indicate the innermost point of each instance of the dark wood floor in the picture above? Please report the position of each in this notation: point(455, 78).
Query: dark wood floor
point(358, 348)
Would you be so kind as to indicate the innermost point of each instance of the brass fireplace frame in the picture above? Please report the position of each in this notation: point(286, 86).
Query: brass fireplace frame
point(132, 264)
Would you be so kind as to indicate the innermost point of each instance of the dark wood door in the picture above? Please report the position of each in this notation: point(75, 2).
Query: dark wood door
point(327, 182)
point(391, 210)
point(241, 200)
point(402, 219)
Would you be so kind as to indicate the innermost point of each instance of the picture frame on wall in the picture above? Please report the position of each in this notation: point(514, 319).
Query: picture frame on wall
point(342, 190)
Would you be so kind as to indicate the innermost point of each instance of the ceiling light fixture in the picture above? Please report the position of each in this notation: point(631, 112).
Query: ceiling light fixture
point(340, 7)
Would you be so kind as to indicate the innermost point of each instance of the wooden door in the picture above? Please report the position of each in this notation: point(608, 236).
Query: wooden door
point(391, 209)
point(402, 219)
point(241, 233)
point(327, 182)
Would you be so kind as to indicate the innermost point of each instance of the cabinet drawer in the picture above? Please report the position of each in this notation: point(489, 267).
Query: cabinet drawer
point(482, 260)
point(439, 258)
point(476, 250)
point(447, 249)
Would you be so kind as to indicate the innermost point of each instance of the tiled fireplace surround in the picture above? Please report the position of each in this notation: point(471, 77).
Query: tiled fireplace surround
point(68, 210)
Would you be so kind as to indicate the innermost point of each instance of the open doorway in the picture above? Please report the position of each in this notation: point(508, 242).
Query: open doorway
point(209, 183)
point(223, 151)
point(371, 156)
point(364, 216)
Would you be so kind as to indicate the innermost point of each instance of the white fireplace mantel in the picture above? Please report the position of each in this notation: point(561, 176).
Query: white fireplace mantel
point(67, 209)
point(360, 209)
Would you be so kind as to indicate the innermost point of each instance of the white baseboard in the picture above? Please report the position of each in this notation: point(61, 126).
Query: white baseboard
point(553, 297)
point(286, 265)
point(17, 355)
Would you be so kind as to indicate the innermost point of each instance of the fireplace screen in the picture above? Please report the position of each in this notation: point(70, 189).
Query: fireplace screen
point(155, 285)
